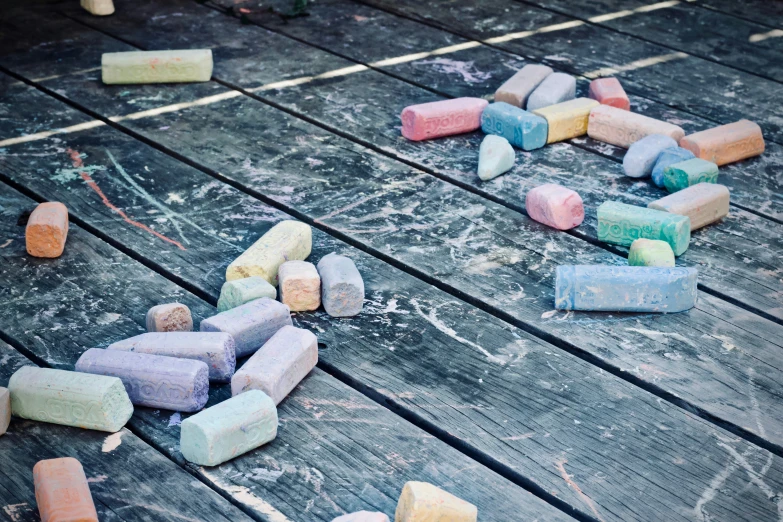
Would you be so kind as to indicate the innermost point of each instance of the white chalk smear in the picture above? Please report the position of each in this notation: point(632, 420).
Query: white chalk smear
point(244, 495)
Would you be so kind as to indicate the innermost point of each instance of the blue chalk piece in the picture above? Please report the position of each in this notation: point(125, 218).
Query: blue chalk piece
point(625, 288)
point(521, 128)
point(641, 156)
point(667, 158)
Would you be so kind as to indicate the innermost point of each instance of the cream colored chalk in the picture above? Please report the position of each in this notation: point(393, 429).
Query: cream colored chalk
point(286, 241)
point(568, 119)
point(704, 203)
point(423, 502)
point(98, 7)
point(622, 128)
point(190, 65)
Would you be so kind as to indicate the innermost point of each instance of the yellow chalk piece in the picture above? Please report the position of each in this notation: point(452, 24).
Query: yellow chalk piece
point(286, 241)
point(423, 502)
point(568, 119)
point(189, 65)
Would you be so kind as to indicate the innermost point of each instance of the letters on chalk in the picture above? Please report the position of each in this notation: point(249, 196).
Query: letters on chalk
point(286, 241)
point(703, 203)
point(516, 90)
point(342, 287)
point(5, 409)
point(622, 224)
point(47, 230)
point(568, 119)
point(62, 492)
point(727, 143)
point(240, 291)
point(622, 128)
point(521, 128)
point(442, 118)
point(496, 156)
point(423, 501)
point(170, 317)
point(192, 65)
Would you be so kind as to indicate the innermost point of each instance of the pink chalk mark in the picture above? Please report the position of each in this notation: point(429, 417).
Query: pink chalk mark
point(573, 485)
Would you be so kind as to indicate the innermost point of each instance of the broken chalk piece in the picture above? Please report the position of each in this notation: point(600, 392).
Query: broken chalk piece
point(568, 119)
point(342, 287)
point(640, 159)
point(668, 157)
point(71, 398)
point(240, 291)
point(442, 118)
point(279, 365)
point(251, 325)
point(362, 516)
point(229, 429)
point(623, 224)
point(154, 381)
point(521, 128)
point(689, 172)
point(190, 65)
point(496, 156)
point(170, 317)
point(608, 91)
point(625, 288)
point(216, 349)
point(300, 286)
point(727, 143)
point(421, 501)
point(286, 241)
point(516, 90)
point(47, 230)
point(622, 128)
point(98, 7)
point(556, 88)
point(650, 252)
point(703, 203)
point(5, 409)
point(62, 492)
point(555, 206)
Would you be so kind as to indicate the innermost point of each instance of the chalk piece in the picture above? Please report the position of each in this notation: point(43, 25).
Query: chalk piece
point(703, 203)
point(286, 241)
point(642, 155)
point(623, 224)
point(727, 143)
point(668, 157)
point(300, 286)
point(229, 429)
point(240, 291)
point(5, 409)
point(689, 172)
point(154, 381)
point(521, 128)
point(555, 206)
point(362, 516)
point(251, 325)
point(216, 349)
point(342, 287)
point(423, 502)
point(556, 88)
point(496, 156)
point(192, 65)
point(625, 288)
point(568, 119)
point(608, 91)
point(442, 118)
point(279, 365)
point(622, 128)
point(98, 7)
point(62, 492)
point(47, 230)
point(650, 252)
point(516, 90)
point(170, 317)
point(70, 398)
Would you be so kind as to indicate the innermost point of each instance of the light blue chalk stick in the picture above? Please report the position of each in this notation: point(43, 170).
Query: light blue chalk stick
point(688, 173)
point(623, 224)
point(521, 128)
point(241, 291)
point(669, 157)
point(625, 288)
point(641, 156)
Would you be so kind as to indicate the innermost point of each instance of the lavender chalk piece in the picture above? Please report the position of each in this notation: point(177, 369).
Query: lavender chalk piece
point(216, 349)
point(556, 88)
point(521, 128)
point(342, 287)
point(251, 325)
point(152, 380)
point(642, 155)
point(688, 173)
point(625, 288)
point(623, 224)
point(240, 291)
point(669, 157)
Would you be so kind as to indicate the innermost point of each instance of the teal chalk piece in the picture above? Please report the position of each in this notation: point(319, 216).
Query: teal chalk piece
point(521, 128)
point(687, 173)
point(623, 224)
point(667, 158)
point(625, 288)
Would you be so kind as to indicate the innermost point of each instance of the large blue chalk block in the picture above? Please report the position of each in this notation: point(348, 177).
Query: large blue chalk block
point(625, 288)
point(667, 158)
point(521, 128)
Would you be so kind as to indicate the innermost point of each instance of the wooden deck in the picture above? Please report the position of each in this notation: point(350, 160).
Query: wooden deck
point(458, 372)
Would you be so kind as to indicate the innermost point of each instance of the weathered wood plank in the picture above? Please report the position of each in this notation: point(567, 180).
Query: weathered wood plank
point(766, 13)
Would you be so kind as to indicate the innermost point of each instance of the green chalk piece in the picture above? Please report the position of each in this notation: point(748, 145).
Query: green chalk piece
point(690, 172)
point(623, 224)
point(650, 252)
point(240, 291)
point(229, 429)
point(76, 399)
point(190, 65)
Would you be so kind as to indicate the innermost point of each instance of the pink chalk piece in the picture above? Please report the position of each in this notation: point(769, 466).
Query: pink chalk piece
point(608, 91)
point(555, 206)
point(442, 118)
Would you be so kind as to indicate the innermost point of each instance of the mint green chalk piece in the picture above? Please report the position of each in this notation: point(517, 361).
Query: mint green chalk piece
point(690, 172)
point(623, 224)
point(240, 291)
point(229, 429)
point(650, 252)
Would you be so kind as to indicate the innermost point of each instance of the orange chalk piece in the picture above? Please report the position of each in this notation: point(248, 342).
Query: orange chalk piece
point(62, 492)
point(727, 143)
point(46, 230)
point(608, 91)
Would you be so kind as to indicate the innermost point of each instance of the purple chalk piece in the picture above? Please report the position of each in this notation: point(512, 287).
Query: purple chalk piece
point(251, 324)
point(152, 380)
point(342, 287)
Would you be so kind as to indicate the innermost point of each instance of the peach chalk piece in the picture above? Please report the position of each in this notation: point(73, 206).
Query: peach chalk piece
point(286, 241)
point(608, 91)
point(5, 409)
point(62, 492)
point(423, 502)
point(171, 317)
point(442, 118)
point(703, 203)
point(622, 128)
point(362, 516)
point(555, 206)
point(568, 119)
point(98, 7)
point(727, 143)
point(47, 230)
point(189, 65)
point(516, 90)
point(300, 286)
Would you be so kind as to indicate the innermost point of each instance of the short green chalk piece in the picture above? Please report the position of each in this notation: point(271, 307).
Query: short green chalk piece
point(240, 291)
point(623, 224)
point(650, 252)
point(76, 399)
point(190, 65)
point(690, 172)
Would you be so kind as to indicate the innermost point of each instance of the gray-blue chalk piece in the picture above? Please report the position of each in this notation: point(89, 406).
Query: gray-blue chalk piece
point(251, 324)
point(521, 128)
point(342, 287)
point(642, 155)
point(556, 88)
point(667, 158)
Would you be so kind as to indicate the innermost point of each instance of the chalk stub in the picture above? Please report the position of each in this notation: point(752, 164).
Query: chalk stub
point(516, 90)
point(427, 121)
point(556, 88)
point(650, 252)
point(703, 203)
point(727, 143)
point(622, 128)
point(362, 516)
point(62, 492)
point(229, 429)
point(688, 173)
point(286, 241)
point(71, 398)
point(240, 291)
point(640, 159)
point(521, 128)
point(496, 156)
point(556, 206)
point(566, 120)
point(342, 287)
point(667, 158)
point(98, 7)
point(5, 409)
point(421, 502)
point(47, 230)
point(169, 317)
point(609, 91)
point(187, 65)
point(623, 224)
point(300, 286)
point(251, 325)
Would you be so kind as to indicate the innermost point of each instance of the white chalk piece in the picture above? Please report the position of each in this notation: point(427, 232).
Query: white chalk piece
point(191, 65)
point(251, 325)
point(363, 516)
point(556, 88)
point(496, 156)
point(342, 287)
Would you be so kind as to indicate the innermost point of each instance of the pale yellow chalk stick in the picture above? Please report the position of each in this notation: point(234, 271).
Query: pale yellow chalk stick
point(286, 241)
point(568, 119)
point(192, 65)
point(98, 7)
